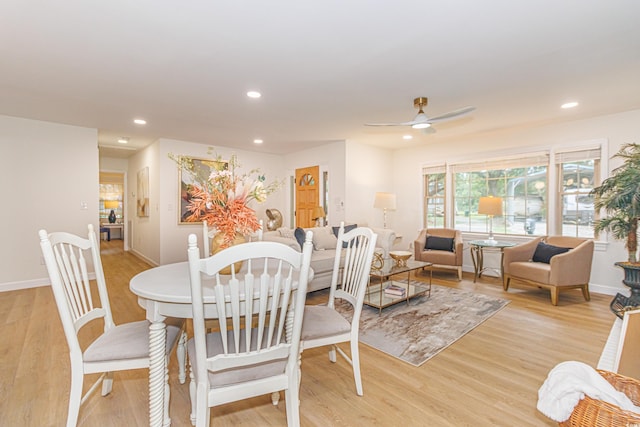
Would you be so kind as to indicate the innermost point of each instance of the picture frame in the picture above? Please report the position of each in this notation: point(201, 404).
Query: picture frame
point(142, 197)
point(199, 171)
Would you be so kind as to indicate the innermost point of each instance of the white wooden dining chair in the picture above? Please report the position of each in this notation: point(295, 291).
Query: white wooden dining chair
point(80, 292)
point(323, 325)
point(255, 349)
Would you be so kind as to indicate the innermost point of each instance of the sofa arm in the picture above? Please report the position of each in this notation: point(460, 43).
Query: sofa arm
point(573, 267)
point(385, 240)
point(520, 253)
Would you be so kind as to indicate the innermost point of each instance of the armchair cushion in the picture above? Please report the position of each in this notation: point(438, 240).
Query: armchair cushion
point(544, 252)
point(439, 243)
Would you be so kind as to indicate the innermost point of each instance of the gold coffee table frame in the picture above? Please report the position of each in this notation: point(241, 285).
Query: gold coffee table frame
point(375, 296)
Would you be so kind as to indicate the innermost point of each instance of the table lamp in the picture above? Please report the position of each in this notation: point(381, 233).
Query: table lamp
point(317, 214)
point(385, 201)
point(491, 206)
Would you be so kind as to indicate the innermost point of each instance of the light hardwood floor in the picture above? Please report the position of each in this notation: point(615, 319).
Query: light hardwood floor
point(490, 377)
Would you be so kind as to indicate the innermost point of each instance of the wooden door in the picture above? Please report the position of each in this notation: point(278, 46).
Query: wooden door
point(307, 195)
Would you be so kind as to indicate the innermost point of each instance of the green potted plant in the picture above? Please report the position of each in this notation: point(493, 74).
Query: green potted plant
point(619, 197)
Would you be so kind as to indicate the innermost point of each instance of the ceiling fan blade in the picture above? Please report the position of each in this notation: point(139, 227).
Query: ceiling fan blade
point(418, 119)
point(391, 124)
point(451, 115)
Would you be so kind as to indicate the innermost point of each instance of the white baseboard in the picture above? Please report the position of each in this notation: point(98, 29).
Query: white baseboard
point(28, 284)
point(25, 284)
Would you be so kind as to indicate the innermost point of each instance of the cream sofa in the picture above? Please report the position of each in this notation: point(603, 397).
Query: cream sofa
point(324, 249)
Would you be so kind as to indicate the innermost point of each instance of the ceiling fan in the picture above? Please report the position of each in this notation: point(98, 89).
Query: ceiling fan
point(421, 121)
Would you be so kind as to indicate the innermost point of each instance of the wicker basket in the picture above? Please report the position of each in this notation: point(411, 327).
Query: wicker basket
point(590, 412)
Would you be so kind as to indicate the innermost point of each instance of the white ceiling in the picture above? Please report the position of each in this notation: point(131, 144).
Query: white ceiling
point(324, 67)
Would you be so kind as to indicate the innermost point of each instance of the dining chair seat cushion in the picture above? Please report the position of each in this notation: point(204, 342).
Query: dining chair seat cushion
point(234, 376)
point(320, 321)
point(128, 341)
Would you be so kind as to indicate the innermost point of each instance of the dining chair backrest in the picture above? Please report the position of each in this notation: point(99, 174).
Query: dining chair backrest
point(352, 265)
point(259, 312)
point(72, 261)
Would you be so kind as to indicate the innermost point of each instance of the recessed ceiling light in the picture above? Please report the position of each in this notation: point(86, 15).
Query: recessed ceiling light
point(123, 140)
point(140, 121)
point(407, 137)
point(254, 94)
point(258, 141)
point(569, 105)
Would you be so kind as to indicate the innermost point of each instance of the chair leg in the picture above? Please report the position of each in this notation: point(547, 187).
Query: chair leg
point(75, 397)
point(192, 396)
point(181, 353)
point(332, 353)
point(555, 291)
point(459, 273)
point(107, 383)
point(292, 401)
point(505, 283)
point(203, 411)
point(355, 362)
point(585, 292)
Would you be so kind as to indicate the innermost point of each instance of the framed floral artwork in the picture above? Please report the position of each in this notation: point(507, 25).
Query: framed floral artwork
point(142, 198)
point(193, 171)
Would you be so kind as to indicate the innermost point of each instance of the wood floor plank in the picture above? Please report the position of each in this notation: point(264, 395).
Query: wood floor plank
point(490, 377)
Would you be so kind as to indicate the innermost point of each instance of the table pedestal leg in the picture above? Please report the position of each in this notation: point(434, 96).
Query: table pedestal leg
point(157, 374)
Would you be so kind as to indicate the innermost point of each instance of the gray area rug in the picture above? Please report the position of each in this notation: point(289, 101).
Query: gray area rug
point(416, 332)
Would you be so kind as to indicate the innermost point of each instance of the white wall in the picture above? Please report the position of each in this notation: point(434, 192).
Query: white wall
point(617, 129)
point(368, 171)
point(144, 231)
point(47, 170)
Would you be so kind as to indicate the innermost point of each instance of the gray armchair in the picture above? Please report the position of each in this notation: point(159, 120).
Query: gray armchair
point(568, 270)
point(443, 255)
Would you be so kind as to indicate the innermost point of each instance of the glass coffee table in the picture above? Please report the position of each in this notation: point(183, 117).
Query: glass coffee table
point(382, 278)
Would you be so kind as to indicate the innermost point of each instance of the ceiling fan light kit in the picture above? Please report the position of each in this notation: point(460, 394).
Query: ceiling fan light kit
point(422, 121)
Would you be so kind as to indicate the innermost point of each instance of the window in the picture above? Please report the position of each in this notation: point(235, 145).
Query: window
point(577, 175)
point(434, 196)
point(520, 182)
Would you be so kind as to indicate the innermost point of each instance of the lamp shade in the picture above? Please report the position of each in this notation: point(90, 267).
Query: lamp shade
point(490, 206)
point(111, 204)
point(318, 212)
point(385, 201)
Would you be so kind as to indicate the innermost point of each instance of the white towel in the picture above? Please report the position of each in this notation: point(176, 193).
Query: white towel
point(568, 383)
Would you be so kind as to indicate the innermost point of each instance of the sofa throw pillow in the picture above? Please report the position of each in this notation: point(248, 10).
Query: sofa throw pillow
point(300, 236)
point(324, 241)
point(545, 252)
point(286, 232)
point(435, 243)
point(347, 228)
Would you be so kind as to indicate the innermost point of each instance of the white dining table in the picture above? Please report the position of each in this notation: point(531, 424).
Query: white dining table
point(165, 291)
